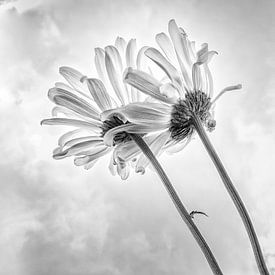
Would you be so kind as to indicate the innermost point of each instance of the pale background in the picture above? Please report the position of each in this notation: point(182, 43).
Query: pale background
point(58, 219)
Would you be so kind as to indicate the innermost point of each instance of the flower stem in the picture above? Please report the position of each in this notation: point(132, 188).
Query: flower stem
point(234, 196)
point(177, 202)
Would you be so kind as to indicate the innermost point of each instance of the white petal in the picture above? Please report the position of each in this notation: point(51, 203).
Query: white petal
point(127, 151)
point(69, 135)
point(203, 55)
point(112, 165)
point(73, 102)
point(227, 89)
point(75, 141)
point(72, 122)
point(114, 70)
point(131, 62)
point(131, 128)
point(180, 44)
point(120, 44)
point(99, 93)
point(68, 88)
point(79, 161)
point(79, 148)
point(140, 56)
point(196, 77)
point(146, 113)
point(165, 65)
point(75, 78)
point(145, 83)
point(100, 64)
point(131, 53)
point(90, 164)
point(122, 168)
point(165, 44)
point(155, 146)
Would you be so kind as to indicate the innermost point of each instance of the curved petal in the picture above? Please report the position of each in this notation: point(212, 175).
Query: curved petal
point(166, 45)
point(99, 93)
point(196, 77)
point(79, 148)
point(123, 168)
point(114, 69)
point(95, 126)
point(75, 141)
point(131, 128)
point(131, 62)
point(145, 83)
point(180, 45)
point(73, 102)
point(165, 65)
point(227, 89)
point(144, 113)
point(75, 78)
point(120, 44)
point(84, 160)
point(69, 135)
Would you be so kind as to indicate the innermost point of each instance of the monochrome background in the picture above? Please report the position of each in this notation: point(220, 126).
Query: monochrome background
point(58, 219)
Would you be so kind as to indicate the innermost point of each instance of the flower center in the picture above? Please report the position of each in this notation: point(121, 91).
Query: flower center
point(195, 103)
point(111, 123)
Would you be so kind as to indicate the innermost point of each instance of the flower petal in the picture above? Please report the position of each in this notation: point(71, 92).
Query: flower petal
point(75, 78)
point(114, 69)
point(72, 102)
point(196, 77)
point(69, 135)
point(95, 126)
point(165, 44)
point(180, 45)
point(227, 89)
point(122, 168)
point(99, 93)
point(131, 128)
point(145, 113)
point(145, 83)
point(165, 65)
point(84, 160)
point(79, 148)
point(120, 44)
point(75, 141)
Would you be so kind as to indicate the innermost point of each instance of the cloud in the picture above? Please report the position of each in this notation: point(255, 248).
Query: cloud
point(59, 219)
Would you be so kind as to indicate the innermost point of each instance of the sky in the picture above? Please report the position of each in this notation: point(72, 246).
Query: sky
point(59, 219)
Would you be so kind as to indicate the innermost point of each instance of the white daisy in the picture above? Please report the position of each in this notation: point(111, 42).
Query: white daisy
point(186, 89)
point(82, 102)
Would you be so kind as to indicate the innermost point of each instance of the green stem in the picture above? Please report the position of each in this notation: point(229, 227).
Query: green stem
point(177, 202)
point(234, 196)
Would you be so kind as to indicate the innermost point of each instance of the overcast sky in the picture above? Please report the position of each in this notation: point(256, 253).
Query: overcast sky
point(58, 219)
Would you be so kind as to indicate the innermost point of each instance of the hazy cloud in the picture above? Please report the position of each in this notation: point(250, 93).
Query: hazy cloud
point(59, 219)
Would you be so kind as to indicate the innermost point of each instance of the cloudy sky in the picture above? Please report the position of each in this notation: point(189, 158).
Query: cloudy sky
point(59, 219)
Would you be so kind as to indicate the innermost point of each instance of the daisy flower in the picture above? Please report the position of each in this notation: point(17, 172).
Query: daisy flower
point(186, 89)
point(81, 102)
point(186, 92)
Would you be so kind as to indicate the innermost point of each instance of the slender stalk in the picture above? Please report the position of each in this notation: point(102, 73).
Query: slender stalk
point(177, 202)
point(234, 196)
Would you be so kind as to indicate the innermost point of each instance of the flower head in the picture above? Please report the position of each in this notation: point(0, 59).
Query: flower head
point(82, 103)
point(185, 90)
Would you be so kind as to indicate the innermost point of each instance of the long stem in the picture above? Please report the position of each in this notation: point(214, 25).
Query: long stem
point(234, 196)
point(177, 202)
